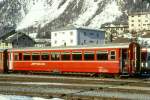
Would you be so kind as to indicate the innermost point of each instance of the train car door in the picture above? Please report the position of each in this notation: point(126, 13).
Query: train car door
point(1, 62)
point(134, 58)
point(148, 58)
point(5, 60)
point(124, 60)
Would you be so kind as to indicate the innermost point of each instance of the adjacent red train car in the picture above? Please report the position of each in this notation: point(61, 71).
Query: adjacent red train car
point(110, 59)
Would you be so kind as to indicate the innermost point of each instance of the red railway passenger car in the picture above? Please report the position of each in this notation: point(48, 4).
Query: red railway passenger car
point(110, 59)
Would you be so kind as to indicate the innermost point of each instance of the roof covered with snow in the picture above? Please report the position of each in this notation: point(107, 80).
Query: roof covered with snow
point(17, 36)
point(146, 35)
point(121, 40)
point(75, 27)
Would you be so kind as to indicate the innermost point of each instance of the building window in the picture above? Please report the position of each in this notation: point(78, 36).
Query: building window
point(91, 33)
point(55, 42)
point(71, 41)
point(139, 15)
point(139, 20)
point(139, 25)
point(91, 41)
point(97, 35)
point(132, 24)
point(84, 33)
point(144, 24)
point(55, 34)
point(84, 41)
point(6, 44)
point(71, 33)
point(132, 16)
point(146, 20)
point(132, 20)
point(97, 42)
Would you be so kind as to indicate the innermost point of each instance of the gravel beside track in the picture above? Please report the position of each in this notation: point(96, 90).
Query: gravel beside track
point(74, 88)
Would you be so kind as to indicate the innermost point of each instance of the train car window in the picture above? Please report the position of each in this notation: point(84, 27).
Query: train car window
point(35, 56)
point(26, 56)
point(89, 56)
point(102, 55)
point(55, 56)
point(65, 56)
point(76, 55)
point(45, 56)
point(20, 56)
point(112, 55)
point(16, 56)
point(148, 58)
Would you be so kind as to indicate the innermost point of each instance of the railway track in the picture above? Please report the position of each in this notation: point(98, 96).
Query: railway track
point(75, 88)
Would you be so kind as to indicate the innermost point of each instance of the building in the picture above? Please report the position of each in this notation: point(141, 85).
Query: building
point(20, 40)
point(145, 39)
point(122, 40)
point(114, 30)
point(5, 45)
point(139, 21)
point(74, 35)
point(118, 27)
point(42, 42)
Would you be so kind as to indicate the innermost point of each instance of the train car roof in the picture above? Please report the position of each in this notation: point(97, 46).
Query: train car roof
point(116, 45)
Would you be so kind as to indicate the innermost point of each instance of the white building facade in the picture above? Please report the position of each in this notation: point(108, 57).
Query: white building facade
point(73, 36)
point(139, 21)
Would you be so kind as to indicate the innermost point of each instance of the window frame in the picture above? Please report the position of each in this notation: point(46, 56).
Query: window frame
point(67, 53)
point(102, 52)
point(77, 52)
point(26, 53)
point(16, 56)
point(89, 52)
point(43, 54)
point(55, 54)
point(113, 55)
point(35, 54)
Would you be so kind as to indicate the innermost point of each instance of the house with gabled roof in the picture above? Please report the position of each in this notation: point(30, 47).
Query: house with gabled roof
point(20, 40)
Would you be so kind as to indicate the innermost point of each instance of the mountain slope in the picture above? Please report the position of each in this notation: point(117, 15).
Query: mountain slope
point(44, 15)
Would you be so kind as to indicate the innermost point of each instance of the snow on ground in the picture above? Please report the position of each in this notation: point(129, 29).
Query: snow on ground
point(14, 97)
point(109, 14)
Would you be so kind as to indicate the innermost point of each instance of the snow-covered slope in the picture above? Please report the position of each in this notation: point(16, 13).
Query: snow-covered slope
point(42, 13)
point(49, 14)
